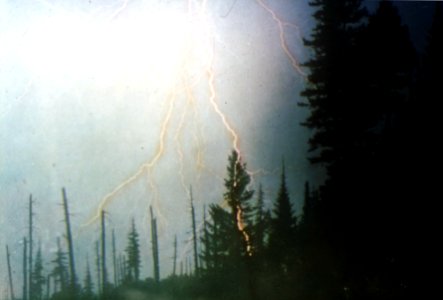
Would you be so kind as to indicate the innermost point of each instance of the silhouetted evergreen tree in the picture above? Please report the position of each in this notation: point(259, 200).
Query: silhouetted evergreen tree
point(281, 253)
point(360, 79)
point(260, 261)
point(381, 167)
point(60, 270)
point(38, 280)
point(219, 234)
point(260, 228)
point(204, 241)
point(219, 278)
point(88, 286)
point(238, 196)
point(333, 112)
point(314, 252)
point(283, 227)
point(133, 255)
point(331, 74)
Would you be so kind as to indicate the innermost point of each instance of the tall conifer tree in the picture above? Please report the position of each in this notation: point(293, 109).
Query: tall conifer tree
point(133, 254)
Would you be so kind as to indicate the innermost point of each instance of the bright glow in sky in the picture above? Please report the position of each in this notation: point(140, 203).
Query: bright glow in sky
point(141, 98)
point(146, 50)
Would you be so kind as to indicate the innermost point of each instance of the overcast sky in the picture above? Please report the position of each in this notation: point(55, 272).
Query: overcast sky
point(97, 93)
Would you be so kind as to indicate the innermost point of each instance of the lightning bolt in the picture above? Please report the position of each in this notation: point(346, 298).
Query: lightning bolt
point(212, 98)
point(178, 134)
point(197, 12)
point(296, 66)
point(146, 167)
point(283, 43)
point(241, 228)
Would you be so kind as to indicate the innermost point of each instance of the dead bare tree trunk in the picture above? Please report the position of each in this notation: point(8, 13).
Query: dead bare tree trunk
point(175, 255)
point(154, 240)
point(206, 243)
point(114, 259)
point(11, 287)
point(31, 215)
point(104, 272)
point(120, 269)
point(25, 269)
point(73, 276)
point(97, 264)
point(124, 268)
point(194, 235)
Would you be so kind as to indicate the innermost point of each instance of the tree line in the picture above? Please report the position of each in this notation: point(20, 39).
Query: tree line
point(238, 246)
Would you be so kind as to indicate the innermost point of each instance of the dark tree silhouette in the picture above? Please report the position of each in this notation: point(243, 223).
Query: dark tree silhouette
point(283, 227)
point(25, 269)
point(98, 267)
point(31, 230)
point(114, 259)
point(60, 270)
point(154, 242)
point(72, 273)
point(104, 276)
point(205, 242)
point(88, 286)
point(194, 234)
point(38, 280)
point(220, 235)
point(238, 196)
point(261, 220)
point(331, 74)
point(359, 84)
point(174, 263)
point(133, 255)
point(10, 281)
